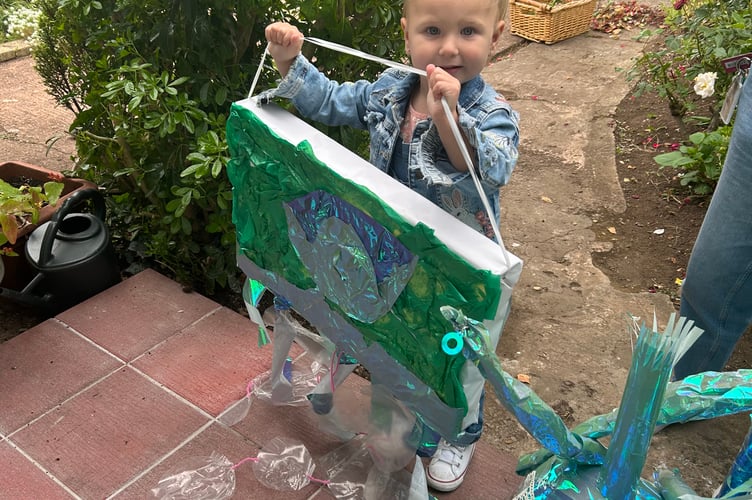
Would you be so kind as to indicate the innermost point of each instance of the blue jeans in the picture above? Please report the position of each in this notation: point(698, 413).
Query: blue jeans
point(717, 292)
point(429, 438)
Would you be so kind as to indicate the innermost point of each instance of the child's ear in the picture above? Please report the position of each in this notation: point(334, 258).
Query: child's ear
point(499, 30)
point(405, 34)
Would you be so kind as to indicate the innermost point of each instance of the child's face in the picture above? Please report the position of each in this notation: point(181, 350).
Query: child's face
point(456, 35)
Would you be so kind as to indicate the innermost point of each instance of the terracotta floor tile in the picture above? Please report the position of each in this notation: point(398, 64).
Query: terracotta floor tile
point(137, 314)
point(217, 438)
point(22, 479)
point(103, 437)
point(42, 367)
point(211, 362)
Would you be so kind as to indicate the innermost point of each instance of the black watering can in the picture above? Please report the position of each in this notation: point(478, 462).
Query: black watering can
point(72, 255)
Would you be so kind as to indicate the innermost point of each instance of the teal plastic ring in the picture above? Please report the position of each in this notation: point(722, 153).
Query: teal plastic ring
point(457, 340)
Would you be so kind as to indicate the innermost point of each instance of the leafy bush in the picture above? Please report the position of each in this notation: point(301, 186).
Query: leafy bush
point(702, 159)
point(151, 83)
point(698, 35)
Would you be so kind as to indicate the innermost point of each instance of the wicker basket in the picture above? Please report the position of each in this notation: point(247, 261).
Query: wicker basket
point(538, 21)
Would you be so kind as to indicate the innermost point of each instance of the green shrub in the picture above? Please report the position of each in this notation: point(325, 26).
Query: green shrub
point(151, 83)
point(701, 160)
point(696, 37)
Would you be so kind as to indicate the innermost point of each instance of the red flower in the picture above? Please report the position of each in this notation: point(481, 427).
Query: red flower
point(678, 4)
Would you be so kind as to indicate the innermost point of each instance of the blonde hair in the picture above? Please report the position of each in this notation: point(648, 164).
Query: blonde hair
point(501, 9)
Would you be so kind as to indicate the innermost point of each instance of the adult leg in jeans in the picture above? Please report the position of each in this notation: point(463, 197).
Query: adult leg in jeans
point(717, 292)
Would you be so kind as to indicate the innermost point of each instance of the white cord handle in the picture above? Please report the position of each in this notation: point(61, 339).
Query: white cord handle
point(452, 124)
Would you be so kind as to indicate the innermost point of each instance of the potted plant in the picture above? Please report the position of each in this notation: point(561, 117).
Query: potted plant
point(29, 196)
point(20, 204)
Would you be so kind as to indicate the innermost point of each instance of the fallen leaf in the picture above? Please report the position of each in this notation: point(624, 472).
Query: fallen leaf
point(612, 230)
point(525, 379)
point(547, 199)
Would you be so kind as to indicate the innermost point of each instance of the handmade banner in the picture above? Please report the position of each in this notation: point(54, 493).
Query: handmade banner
point(367, 261)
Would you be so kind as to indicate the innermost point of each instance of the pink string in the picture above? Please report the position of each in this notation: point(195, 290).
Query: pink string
point(320, 481)
point(249, 388)
point(333, 367)
point(247, 459)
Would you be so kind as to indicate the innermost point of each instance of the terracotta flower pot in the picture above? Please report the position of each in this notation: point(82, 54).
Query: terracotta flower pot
point(15, 271)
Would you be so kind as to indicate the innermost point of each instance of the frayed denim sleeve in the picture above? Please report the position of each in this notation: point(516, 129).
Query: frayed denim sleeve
point(495, 136)
point(317, 97)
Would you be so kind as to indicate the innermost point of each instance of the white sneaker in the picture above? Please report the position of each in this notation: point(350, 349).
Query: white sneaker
point(448, 465)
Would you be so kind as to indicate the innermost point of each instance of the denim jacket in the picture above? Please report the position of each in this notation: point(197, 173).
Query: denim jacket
point(487, 120)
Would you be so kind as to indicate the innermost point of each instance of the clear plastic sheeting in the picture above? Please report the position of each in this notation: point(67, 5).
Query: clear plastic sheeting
point(303, 374)
point(204, 478)
point(353, 475)
point(381, 485)
point(291, 382)
point(390, 439)
point(252, 292)
point(348, 417)
point(284, 464)
point(347, 468)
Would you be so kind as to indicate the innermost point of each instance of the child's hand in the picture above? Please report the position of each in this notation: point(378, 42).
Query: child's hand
point(441, 84)
point(285, 43)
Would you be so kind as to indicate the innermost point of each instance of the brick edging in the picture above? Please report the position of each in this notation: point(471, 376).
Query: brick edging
point(14, 49)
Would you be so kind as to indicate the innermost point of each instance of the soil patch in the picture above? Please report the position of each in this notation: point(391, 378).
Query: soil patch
point(650, 243)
